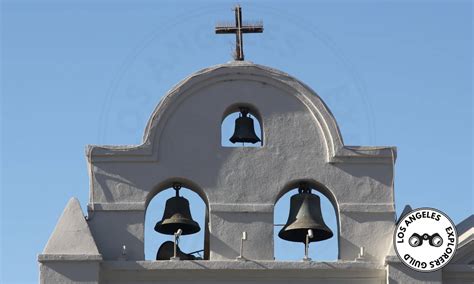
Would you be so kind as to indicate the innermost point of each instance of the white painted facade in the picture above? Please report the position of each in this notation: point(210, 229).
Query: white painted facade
point(240, 186)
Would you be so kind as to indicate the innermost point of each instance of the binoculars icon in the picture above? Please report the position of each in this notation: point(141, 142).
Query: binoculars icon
point(417, 240)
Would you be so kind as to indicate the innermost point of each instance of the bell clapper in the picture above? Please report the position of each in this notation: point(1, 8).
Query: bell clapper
point(244, 238)
point(309, 235)
point(176, 240)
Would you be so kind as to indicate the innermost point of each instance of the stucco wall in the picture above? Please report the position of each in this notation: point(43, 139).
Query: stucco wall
point(240, 186)
point(69, 272)
point(242, 272)
point(301, 141)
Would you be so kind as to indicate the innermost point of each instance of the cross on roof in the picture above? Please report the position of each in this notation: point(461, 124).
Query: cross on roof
point(238, 30)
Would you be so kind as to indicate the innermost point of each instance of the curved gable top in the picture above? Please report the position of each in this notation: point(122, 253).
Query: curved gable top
point(336, 152)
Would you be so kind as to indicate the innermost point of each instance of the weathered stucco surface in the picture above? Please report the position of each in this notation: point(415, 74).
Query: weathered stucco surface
point(301, 141)
point(71, 255)
point(72, 227)
point(240, 186)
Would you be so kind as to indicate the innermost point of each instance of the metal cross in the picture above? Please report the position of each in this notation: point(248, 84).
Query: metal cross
point(238, 30)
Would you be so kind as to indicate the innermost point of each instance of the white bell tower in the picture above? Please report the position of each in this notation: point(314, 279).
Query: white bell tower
point(299, 144)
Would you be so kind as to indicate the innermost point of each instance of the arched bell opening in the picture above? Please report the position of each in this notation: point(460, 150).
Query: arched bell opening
point(173, 205)
point(241, 126)
point(301, 206)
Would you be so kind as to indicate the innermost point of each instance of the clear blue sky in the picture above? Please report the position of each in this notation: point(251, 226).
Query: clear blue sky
point(91, 72)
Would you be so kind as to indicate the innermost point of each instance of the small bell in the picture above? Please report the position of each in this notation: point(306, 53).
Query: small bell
point(305, 214)
point(177, 216)
point(166, 252)
point(244, 130)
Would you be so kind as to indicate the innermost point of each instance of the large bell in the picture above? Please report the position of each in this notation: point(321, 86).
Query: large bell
point(244, 130)
point(166, 251)
point(177, 216)
point(305, 214)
